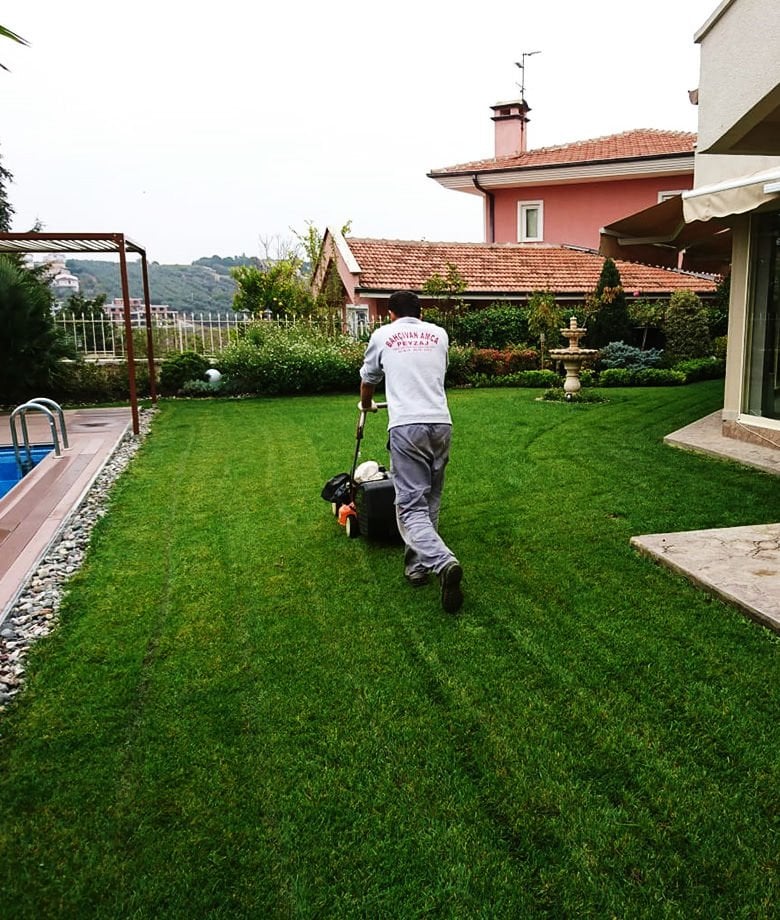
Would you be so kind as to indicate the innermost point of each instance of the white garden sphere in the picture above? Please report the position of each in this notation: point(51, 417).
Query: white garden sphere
point(213, 375)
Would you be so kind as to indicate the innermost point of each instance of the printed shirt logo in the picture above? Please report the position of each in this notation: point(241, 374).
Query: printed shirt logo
point(412, 340)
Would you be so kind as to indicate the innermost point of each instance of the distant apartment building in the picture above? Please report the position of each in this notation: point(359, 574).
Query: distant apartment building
point(62, 282)
point(162, 314)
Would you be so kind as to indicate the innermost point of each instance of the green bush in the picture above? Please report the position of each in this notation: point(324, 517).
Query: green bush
point(616, 377)
point(495, 326)
point(658, 377)
point(719, 346)
point(686, 329)
point(178, 369)
point(558, 394)
point(530, 379)
point(647, 377)
point(458, 369)
point(200, 388)
point(272, 360)
point(701, 369)
point(87, 382)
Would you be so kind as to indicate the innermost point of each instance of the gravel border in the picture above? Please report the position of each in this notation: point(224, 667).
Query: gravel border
point(36, 611)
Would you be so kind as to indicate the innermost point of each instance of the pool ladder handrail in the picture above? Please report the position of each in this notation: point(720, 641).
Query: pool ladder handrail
point(40, 404)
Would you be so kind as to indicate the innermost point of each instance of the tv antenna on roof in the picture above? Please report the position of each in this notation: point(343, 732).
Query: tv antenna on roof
point(521, 65)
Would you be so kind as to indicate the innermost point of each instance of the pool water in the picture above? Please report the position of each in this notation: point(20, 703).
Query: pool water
point(10, 472)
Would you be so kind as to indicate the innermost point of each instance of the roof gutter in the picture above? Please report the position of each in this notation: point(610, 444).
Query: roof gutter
point(490, 200)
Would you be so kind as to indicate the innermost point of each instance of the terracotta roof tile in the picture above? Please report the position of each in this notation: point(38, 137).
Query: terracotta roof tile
point(639, 143)
point(387, 265)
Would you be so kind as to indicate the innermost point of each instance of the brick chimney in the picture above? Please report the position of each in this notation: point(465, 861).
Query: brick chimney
point(510, 119)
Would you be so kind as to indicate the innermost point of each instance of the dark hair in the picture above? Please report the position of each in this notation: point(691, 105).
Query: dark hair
point(405, 303)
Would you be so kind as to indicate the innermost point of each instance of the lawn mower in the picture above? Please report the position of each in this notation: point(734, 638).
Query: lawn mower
point(363, 500)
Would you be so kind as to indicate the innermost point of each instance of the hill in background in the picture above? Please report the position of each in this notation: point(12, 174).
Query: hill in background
point(204, 286)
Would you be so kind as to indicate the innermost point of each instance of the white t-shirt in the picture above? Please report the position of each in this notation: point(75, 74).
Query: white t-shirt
point(411, 356)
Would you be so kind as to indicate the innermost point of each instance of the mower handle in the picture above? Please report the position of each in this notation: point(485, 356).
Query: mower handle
point(362, 419)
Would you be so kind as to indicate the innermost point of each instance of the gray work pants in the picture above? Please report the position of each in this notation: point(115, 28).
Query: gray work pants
point(418, 455)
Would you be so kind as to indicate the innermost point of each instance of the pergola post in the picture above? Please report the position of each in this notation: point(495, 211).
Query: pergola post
point(129, 350)
point(149, 336)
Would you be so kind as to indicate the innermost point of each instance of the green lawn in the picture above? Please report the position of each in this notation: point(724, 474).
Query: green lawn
point(246, 714)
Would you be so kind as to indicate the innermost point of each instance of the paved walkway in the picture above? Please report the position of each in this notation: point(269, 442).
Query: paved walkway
point(32, 514)
point(739, 564)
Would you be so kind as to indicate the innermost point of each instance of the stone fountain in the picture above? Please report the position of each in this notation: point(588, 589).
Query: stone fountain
point(573, 356)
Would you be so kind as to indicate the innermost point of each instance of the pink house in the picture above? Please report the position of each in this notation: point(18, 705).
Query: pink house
point(564, 194)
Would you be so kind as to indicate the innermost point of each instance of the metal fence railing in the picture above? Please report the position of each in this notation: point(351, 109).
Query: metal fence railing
point(101, 337)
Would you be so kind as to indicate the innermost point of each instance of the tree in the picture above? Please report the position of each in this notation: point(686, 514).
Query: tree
point(609, 320)
point(277, 290)
point(311, 242)
point(447, 289)
point(30, 345)
point(545, 319)
point(646, 315)
point(7, 33)
point(6, 210)
point(687, 332)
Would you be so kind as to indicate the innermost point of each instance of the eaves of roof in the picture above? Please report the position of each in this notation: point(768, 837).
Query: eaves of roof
point(504, 270)
point(566, 173)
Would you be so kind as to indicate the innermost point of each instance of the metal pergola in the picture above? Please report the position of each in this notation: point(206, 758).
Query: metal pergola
point(102, 243)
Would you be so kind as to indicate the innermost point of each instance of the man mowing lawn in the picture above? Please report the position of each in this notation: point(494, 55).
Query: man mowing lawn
point(411, 356)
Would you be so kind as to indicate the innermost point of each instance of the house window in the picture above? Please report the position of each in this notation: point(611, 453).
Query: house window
point(530, 222)
point(357, 321)
point(763, 357)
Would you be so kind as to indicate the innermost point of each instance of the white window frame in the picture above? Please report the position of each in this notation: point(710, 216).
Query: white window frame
point(665, 196)
point(522, 208)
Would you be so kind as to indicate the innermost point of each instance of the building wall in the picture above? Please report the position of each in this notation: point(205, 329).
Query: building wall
point(738, 89)
point(574, 214)
point(740, 68)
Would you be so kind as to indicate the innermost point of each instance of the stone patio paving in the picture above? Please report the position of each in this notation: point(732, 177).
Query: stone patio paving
point(738, 564)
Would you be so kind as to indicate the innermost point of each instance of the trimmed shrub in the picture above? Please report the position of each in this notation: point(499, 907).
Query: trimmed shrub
point(719, 346)
point(616, 377)
point(529, 379)
point(200, 388)
point(701, 369)
point(179, 369)
point(78, 382)
point(658, 377)
point(495, 326)
point(647, 377)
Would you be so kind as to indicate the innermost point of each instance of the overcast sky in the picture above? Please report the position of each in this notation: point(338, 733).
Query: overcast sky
point(202, 128)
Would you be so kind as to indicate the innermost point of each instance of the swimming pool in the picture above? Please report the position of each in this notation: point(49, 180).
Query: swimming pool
point(10, 472)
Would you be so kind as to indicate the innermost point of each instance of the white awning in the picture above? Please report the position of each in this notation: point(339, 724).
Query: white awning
point(734, 196)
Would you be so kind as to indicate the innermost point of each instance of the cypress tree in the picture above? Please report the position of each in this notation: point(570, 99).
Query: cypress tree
point(610, 322)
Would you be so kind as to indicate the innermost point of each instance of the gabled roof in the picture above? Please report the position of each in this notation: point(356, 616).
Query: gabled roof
point(639, 144)
point(507, 269)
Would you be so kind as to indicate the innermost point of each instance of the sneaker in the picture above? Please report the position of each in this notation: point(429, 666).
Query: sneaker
point(451, 594)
